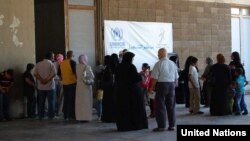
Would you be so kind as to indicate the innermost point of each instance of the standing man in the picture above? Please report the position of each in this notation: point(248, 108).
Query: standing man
point(164, 80)
point(6, 83)
point(45, 72)
point(67, 72)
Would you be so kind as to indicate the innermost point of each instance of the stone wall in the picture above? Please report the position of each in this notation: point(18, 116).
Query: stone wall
point(200, 29)
point(17, 45)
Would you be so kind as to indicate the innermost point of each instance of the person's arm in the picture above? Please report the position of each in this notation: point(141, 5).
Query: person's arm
point(190, 79)
point(7, 89)
point(73, 67)
point(154, 78)
point(176, 77)
point(28, 81)
point(51, 75)
point(190, 76)
point(2, 89)
point(152, 86)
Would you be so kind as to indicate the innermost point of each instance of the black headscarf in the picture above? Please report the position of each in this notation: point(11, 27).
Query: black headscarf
point(128, 58)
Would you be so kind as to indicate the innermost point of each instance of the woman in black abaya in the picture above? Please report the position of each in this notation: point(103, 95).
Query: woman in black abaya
point(130, 108)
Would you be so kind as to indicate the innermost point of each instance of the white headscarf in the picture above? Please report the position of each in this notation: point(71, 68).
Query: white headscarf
point(83, 59)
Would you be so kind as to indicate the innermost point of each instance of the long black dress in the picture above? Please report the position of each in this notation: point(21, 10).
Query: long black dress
point(130, 108)
point(219, 97)
point(108, 114)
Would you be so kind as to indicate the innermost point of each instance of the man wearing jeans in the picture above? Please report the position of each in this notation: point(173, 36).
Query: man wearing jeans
point(164, 80)
point(45, 72)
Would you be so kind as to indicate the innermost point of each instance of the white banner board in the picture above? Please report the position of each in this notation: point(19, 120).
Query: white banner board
point(144, 39)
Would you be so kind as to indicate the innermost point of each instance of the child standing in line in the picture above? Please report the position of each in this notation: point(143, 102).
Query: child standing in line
point(240, 92)
point(151, 98)
point(99, 97)
point(194, 87)
point(145, 81)
point(29, 88)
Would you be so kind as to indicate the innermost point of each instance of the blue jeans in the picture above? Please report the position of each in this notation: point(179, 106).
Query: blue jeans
point(243, 105)
point(99, 108)
point(238, 98)
point(42, 94)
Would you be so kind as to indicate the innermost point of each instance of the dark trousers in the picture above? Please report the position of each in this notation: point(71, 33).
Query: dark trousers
point(69, 101)
point(58, 95)
point(4, 106)
point(152, 107)
point(31, 104)
point(165, 104)
point(42, 94)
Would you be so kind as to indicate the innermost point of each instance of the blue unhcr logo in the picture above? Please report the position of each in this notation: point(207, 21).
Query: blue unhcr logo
point(116, 33)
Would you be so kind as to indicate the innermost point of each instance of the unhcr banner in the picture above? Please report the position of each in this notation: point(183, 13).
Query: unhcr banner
point(142, 38)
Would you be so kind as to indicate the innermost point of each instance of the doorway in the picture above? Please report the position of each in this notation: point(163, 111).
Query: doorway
point(240, 37)
point(80, 25)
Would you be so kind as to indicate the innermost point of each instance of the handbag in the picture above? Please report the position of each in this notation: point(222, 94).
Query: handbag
point(87, 78)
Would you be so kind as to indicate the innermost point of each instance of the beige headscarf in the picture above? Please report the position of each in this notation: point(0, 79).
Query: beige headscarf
point(83, 59)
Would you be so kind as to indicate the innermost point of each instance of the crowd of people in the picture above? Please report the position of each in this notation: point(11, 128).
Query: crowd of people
point(122, 92)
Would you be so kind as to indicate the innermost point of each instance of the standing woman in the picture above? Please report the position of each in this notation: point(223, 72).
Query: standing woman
point(84, 94)
point(108, 114)
point(131, 113)
point(186, 79)
point(207, 89)
point(236, 62)
point(221, 82)
point(29, 87)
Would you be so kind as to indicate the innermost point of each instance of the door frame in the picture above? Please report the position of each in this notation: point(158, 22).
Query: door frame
point(98, 25)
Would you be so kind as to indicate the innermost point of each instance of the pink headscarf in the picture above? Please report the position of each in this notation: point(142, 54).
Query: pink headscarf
point(83, 59)
point(59, 58)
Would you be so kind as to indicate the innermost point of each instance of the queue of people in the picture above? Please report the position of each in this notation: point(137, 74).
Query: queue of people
point(123, 92)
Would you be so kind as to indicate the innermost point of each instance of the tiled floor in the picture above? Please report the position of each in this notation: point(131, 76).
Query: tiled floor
point(60, 130)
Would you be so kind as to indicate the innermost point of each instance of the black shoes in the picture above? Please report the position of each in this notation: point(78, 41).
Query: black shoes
point(244, 113)
point(159, 129)
point(171, 128)
point(198, 113)
point(163, 129)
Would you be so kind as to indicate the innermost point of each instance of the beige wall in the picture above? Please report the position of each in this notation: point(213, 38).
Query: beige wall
point(245, 2)
point(20, 51)
point(200, 28)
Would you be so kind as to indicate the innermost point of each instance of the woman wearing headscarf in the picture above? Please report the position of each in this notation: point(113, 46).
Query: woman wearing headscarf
point(221, 82)
point(236, 61)
point(207, 89)
point(130, 112)
point(84, 95)
point(108, 113)
point(235, 64)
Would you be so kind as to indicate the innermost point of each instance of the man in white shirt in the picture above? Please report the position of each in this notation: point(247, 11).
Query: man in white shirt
point(45, 72)
point(164, 80)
